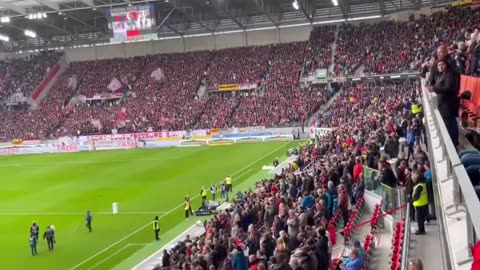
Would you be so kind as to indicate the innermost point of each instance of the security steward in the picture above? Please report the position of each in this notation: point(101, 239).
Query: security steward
point(228, 180)
point(420, 202)
point(203, 193)
point(188, 207)
point(415, 108)
point(156, 228)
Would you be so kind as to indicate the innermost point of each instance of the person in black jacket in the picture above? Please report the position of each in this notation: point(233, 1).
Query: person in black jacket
point(475, 57)
point(446, 87)
point(166, 260)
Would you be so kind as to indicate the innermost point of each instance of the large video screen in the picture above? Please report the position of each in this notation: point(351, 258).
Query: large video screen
point(132, 22)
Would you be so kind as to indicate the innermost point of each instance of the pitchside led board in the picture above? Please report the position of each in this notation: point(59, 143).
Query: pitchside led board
point(131, 23)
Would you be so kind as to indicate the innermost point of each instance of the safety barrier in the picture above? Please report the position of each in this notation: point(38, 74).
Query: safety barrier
point(455, 197)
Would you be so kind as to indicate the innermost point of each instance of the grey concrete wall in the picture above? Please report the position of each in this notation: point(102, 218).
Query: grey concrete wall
point(188, 44)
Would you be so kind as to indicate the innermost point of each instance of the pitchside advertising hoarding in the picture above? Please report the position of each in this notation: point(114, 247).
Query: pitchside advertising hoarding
point(144, 140)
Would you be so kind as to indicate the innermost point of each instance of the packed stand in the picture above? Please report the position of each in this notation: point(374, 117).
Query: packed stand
point(239, 65)
point(283, 223)
point(170, 103)
point(319, 52)
point(25, 123)
point(218, 111)
point(97, 75)
point(23, 75)
point(283, 102)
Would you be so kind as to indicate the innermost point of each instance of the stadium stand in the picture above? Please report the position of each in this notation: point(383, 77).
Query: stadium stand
point(22, 75)
point(279, 65)
point(319, 52)
point(279, 231)
point(265, 221)
point(239, 65)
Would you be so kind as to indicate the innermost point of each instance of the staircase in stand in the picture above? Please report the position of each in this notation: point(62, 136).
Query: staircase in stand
point(331, 68)
point(323, 108)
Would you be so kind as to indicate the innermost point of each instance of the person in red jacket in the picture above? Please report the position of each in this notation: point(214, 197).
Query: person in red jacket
point(476, 256)
point(343, 202)
point(357, 169)
point(253, 262)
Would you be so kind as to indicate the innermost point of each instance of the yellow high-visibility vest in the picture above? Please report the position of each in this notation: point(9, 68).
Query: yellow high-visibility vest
point(204, 193)
point(415, 108)
point(228, 180)
point(187, 206)
point(155, 224)
point(423, 200)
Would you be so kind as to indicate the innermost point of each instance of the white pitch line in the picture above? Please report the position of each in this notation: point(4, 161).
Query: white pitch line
point(115, 253)
point(75, 213)
point(164, 246)
point(171, 211)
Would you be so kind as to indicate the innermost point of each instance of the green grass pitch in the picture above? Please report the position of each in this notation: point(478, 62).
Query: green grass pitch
point(58, 188)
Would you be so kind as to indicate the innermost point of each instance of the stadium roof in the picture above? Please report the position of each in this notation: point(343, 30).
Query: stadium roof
point(70, 22)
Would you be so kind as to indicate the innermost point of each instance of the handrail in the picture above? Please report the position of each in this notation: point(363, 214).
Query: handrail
point(456, 201)
point(406, 241)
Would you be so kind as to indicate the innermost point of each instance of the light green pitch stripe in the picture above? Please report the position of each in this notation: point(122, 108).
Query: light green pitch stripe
point(179, 228)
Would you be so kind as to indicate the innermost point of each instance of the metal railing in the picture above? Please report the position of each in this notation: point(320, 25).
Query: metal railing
point(463, 209)
point(406, 241)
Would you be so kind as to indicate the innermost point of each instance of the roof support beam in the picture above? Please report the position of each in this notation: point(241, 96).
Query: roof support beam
point(266, 9)
point(225, 9)
point(173, 29)
point(55, 6)
point(192, 18)
point(18, 9)
point(305, 7)
point(343, 4)
point(88, 2)
point(61, 30)
point(382, 6)
point(48, 3)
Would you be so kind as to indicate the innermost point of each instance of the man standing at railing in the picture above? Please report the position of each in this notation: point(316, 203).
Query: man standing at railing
point(446, 84)
point(420, 202)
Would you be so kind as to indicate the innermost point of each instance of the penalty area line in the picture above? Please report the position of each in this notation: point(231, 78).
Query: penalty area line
point(167, 213)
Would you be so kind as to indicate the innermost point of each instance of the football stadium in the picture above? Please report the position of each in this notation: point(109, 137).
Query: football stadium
point(240, 134)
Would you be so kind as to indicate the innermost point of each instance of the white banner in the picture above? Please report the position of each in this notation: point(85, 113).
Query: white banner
point(114, 85)
point(157, 74)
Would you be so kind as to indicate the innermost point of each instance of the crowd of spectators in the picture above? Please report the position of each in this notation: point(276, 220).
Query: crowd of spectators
point(283, 222)
point(171, 103)
point(23, 75)
point(218, 111)
point(401, 46)
point(319, 52)
point(239, 65)
point(283, 101)
point(97, 75)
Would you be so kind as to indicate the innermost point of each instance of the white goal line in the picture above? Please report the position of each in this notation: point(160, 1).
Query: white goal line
point(76, 213)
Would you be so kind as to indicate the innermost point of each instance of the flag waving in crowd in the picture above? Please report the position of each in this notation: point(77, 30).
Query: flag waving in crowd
point(114, 85)
point(158, 74)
